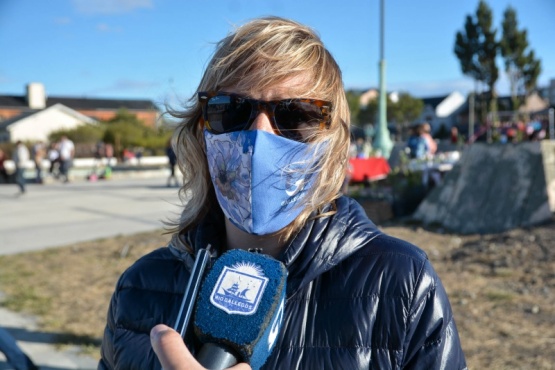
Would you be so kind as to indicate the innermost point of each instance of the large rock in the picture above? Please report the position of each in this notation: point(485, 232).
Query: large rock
point(493, 188)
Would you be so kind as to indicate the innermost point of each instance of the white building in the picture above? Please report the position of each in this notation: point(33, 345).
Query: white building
point(35, 125)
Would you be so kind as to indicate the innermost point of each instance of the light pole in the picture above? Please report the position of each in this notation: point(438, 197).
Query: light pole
point(382, 140)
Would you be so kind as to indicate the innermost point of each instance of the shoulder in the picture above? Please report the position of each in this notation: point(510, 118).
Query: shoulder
point(389, 245)
point(397, 266)
point(369, 243)
point(361, 230)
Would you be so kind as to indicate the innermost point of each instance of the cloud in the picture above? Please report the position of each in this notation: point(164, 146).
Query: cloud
point(110, 6)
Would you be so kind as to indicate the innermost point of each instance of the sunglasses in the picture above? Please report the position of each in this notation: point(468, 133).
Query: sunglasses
point(292, 118)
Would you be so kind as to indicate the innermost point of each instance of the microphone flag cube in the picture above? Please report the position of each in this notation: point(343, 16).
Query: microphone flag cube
point(241, 304)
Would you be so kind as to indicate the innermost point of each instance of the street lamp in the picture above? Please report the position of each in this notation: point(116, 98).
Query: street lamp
point(382, 140)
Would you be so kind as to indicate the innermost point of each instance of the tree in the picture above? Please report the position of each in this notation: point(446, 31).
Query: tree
point(476, 50)
point(125, 130)
point(84, 134)
point(521, 66)
point(531, 71)
point(488, 52)
point(368, 113)
point(404, 111)
point(353, 99)
point(467, 47)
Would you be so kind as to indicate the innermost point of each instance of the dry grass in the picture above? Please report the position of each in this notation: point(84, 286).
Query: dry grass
point(502, 289)
point(69, 288)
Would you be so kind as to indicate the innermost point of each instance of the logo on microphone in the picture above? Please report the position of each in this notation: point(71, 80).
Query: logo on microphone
point(239, 288)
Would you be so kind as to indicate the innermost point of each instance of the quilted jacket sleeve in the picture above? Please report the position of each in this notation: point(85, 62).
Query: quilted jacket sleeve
point(432, 340)
point(107, 349)
point(126, 343)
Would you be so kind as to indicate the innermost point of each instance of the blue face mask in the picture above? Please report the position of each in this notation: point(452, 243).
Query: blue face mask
point(260, 178)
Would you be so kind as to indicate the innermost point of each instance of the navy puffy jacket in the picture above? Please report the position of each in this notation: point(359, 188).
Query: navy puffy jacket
point(356, 299)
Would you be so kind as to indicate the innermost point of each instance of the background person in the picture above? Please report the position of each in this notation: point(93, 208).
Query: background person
point(172, 160)
point(4, 179)
point(38, 151)
point(20, 157)
point(430, 142)
point(272, 100)
point(67, 151)
point(454, 135)
point(54, 158)
point(417, 143)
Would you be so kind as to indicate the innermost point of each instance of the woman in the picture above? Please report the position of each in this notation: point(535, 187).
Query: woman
point(272, 97)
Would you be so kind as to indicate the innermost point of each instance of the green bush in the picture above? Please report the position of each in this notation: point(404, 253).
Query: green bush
point(124, 130)
point(84, 134)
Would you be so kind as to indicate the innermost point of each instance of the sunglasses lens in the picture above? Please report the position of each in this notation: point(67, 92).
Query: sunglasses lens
point(294, 117)
point(227, 113)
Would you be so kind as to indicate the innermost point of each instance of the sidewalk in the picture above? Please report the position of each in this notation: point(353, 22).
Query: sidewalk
point(56, 214)
point(40, 346)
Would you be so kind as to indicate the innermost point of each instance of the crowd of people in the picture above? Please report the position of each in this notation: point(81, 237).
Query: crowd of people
point(59, 154)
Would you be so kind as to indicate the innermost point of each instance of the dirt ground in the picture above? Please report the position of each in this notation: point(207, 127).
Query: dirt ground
point(501, 287)
point(502, 290)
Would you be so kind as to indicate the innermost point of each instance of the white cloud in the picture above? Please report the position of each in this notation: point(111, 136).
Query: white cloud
point(110, 6)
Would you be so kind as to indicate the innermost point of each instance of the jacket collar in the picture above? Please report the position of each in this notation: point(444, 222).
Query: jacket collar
point(321, 244)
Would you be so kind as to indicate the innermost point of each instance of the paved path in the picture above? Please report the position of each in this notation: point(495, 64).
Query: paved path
point(58, 214)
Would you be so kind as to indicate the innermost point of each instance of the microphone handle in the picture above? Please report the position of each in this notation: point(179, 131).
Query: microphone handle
point(191, 292)
point(215, 356)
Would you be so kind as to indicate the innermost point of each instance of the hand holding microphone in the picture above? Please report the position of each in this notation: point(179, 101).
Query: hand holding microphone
point(172, 352)
point(239, 312)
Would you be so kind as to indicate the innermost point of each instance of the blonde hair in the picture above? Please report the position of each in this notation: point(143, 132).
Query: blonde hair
point(258, 55)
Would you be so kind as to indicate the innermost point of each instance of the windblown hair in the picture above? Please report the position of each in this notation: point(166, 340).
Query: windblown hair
point(257, 56)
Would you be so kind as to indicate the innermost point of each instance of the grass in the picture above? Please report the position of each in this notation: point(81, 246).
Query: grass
point(504, 316)
point(69, 288)
point(500, 296)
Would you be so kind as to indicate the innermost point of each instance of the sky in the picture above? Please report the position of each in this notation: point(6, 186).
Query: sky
point(157, 49)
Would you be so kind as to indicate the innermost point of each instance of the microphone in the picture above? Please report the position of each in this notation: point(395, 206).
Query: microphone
point(239, 310)
point(190, 295)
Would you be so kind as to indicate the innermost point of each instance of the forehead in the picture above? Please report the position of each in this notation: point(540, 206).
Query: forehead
point(298, 86)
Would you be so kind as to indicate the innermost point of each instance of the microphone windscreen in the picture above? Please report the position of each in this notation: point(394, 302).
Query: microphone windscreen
point(241, 303)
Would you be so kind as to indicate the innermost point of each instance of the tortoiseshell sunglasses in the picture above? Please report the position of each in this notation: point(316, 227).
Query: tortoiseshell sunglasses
point(225, 112)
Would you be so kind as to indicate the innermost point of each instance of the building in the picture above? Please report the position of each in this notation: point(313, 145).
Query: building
point(37, 124)
point(16, 112)
point(442, 110)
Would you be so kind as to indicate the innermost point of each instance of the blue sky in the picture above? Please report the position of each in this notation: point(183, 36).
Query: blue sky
point(156, 49)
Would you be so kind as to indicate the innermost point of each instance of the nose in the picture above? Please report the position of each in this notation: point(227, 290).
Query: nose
point(262, 122)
